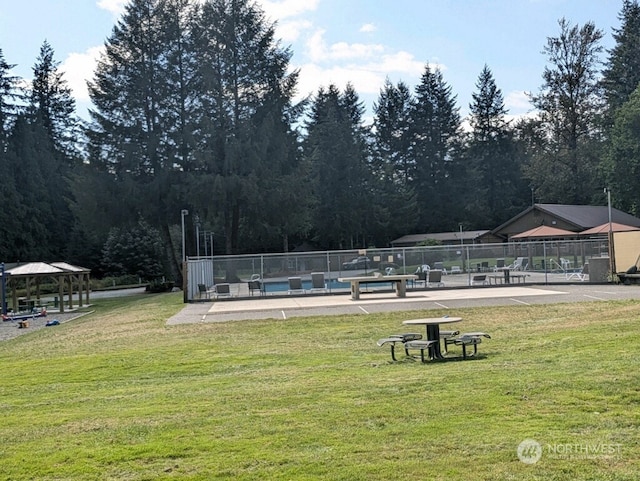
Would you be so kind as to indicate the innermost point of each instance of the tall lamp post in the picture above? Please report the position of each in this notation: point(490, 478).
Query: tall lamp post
point(183, 213)
point(196, 219)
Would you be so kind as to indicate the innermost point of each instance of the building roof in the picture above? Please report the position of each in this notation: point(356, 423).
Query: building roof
point(577, 217)
point(469, 235)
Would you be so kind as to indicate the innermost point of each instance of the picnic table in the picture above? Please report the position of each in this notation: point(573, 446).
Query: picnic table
point(399, 280)
point(432, 325)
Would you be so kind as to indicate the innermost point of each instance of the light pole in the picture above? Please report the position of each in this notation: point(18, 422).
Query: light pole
point(196, 219)
point(183, 212)
point(611, 251)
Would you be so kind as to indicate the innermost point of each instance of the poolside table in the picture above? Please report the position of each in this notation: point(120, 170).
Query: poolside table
point(400, 282)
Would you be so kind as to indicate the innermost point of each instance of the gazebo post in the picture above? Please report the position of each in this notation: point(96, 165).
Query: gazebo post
point(61, 293)
point(70, 279)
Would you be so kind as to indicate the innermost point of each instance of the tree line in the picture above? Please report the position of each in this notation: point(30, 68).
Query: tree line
point(193, 108)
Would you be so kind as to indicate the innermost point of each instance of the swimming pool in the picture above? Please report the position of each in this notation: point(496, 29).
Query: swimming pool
point(332, 284)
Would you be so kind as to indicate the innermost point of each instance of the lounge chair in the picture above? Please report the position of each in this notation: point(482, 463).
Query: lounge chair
point(520, 264)
point(295, 286)
point(317, 282)
point(581, 275)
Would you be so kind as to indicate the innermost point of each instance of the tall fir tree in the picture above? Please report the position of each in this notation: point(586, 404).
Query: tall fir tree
point(622, 162)
point(392, 163)
point(493, 174)
point(569, 104)
point(435, 147)
point(621, 74)
point(336, 150)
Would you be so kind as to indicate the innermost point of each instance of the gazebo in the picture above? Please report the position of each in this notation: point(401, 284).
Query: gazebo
point(64, 276)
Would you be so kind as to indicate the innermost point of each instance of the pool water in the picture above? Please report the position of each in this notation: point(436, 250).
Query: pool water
point(333, 284)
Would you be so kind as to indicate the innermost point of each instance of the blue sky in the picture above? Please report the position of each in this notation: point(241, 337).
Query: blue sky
point(335, 41)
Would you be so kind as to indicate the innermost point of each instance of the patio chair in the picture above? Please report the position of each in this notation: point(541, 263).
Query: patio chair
point(222, 290)
point(479, 279)
point(499, 265)
point(295, 286)
point(317, 282)
point(256, 285)
point(440, 267)
point(203, 291)
point(434, 278)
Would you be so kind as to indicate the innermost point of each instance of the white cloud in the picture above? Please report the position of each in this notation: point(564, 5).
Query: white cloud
point(291, 31)
point(402, 62)
point(368, 27)
point(313, 76)
point(517, 102)
point(319, 51)
point(116, 7)
point(78, 68)
point(286, 8)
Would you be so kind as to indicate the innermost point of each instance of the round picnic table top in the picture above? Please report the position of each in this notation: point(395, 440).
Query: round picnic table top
point(431, 321)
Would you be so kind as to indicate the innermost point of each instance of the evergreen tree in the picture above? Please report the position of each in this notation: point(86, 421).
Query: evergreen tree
point(621, 75)
point(35, 236)
point(51, 103)
point(569, 105)
point(392, 162)
point(493, 173)
point(335, 147)
point(51, 110)
point(622, 164)
point(244, 70)
point(8, 95)
point(435, 148)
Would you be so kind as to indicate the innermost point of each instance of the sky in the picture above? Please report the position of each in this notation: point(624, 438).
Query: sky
point(339, 41)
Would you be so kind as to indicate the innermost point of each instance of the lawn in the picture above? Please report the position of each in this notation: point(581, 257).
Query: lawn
point(119, 395)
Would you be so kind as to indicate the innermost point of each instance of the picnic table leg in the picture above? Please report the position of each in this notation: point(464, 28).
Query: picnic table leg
point(401, 288)
point(433, 334)
point(355, 290)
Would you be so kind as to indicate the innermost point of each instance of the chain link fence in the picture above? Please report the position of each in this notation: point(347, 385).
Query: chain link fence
point(543, 262)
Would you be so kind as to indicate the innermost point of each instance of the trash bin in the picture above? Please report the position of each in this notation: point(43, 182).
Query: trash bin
point(598, 269)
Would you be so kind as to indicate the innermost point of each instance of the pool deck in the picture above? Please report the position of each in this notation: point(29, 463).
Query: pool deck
point(284, 307)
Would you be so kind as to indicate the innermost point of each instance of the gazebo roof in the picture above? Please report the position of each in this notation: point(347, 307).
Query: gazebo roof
point(43, 269)
point(544, 231)
point(604, 228)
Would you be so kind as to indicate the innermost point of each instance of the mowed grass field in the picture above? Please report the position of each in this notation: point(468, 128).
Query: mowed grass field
point(120, 395)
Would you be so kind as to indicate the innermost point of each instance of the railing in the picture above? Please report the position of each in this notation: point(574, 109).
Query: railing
point(546, 261)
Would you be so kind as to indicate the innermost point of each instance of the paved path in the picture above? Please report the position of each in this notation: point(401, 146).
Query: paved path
point(317, 305)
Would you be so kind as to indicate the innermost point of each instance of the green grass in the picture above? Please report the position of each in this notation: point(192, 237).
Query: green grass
point(119, 395)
